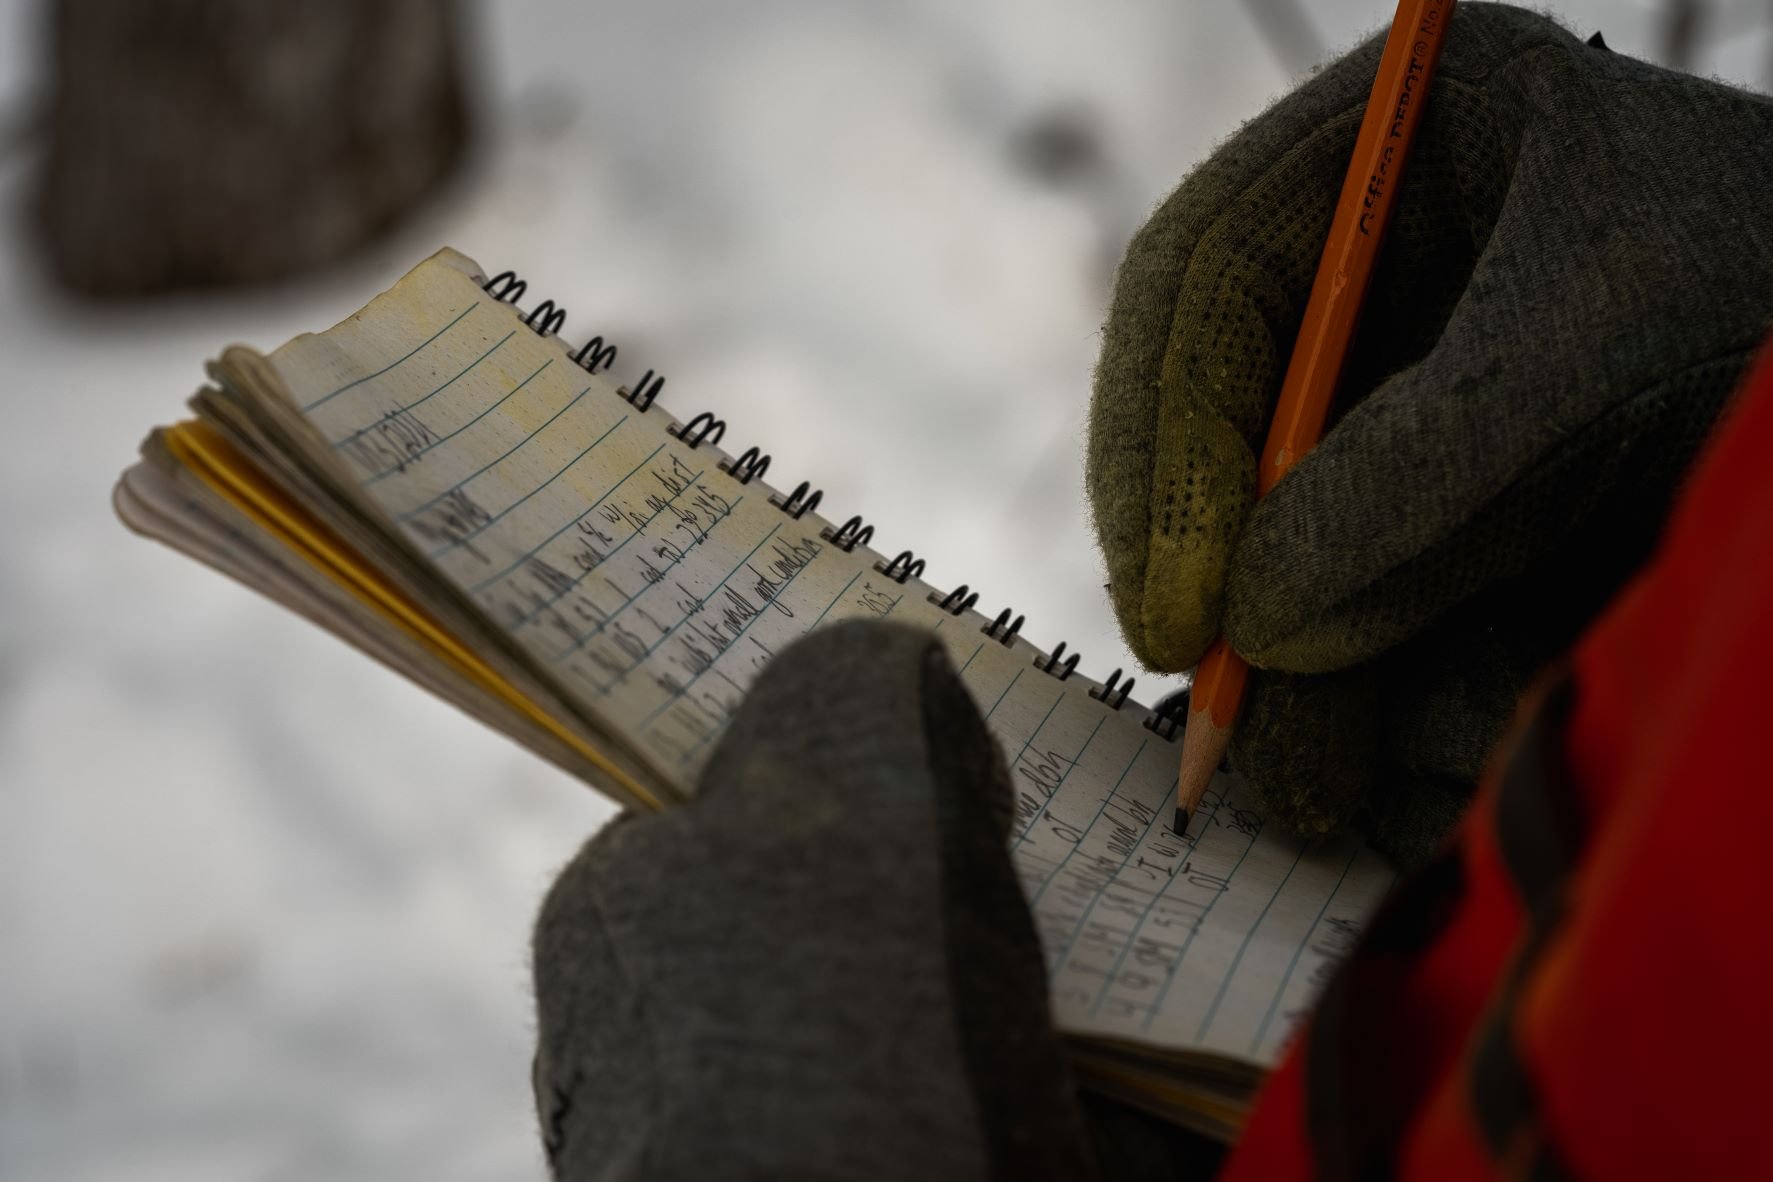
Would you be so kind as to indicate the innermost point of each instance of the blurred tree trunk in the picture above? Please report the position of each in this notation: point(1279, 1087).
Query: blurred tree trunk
point(1680, 32)
point(196, 143)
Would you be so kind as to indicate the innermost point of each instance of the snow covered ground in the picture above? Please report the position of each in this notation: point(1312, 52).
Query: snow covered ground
point(264, 906)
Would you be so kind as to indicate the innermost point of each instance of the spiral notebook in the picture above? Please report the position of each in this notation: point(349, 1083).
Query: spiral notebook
point(443, 482)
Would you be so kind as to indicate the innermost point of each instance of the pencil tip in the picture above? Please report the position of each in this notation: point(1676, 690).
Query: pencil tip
point(1181, 820)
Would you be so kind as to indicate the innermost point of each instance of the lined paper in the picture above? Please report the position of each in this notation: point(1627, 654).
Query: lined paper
point(656, 586)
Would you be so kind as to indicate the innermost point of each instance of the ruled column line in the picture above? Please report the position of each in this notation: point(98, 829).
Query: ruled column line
point(1176, 969)
point(1225, 982)
point(439, 443)
point(833, 603)
point(540, 546)
point(1084, 916)
point(325, 398)
point(1041, 812)
point(1305, 939)
point(1035, 733)
point(414, 405)
point(609, 619)
point(672, 630)
point(620, 546)
point(1006, 690)
point(514, 505)
point(737, 636)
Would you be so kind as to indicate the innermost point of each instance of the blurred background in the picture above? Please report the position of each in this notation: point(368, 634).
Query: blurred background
point(264, 907)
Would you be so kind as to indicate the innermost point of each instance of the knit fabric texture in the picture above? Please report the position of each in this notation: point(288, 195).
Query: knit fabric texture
point(1579, 266)
point(823, 966)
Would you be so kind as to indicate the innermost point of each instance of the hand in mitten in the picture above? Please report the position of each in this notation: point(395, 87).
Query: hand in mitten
point(1579, 267)
point(820, 967)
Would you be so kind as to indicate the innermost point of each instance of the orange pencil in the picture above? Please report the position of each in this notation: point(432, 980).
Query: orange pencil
point(1369, 192)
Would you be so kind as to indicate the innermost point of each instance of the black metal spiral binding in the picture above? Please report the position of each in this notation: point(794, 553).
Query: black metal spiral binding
point(956, 601)
point(1109, 696)
point(644, 391)
point(547, 319)
point(1165, 719)
point(906, 566)
point(509, 287)
point(752, 464)
point(601, 356)
point(998, 631)
point(849, 535)
point(1050, 665)
point(800, 502)
point(704, 428)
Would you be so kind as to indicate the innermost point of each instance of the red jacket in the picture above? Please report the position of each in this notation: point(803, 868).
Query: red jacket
point(1581, 984)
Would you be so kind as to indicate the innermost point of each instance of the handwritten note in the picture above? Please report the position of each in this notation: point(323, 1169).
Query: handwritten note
point(655, 585)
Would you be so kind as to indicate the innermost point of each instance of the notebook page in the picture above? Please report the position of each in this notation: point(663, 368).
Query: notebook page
point(656, 586)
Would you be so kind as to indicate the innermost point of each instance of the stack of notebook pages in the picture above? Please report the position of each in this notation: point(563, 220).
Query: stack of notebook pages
point(445, 484)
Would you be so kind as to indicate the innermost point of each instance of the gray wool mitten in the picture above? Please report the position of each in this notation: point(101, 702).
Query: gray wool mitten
point(1580, 266)
point(820, 968)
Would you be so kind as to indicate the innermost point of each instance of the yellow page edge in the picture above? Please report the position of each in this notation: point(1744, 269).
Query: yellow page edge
point(1174, 1094)
point(208, 455)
